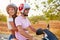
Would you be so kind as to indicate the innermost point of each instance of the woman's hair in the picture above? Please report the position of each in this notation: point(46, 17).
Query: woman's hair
point(15, 9)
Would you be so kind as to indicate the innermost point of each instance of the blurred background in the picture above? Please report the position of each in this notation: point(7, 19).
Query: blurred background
point(42, 12)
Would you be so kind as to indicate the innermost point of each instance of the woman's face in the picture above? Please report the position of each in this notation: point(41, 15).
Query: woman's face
point(11, 11)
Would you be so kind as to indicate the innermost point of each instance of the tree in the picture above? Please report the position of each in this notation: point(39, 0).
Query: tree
point(52, 9)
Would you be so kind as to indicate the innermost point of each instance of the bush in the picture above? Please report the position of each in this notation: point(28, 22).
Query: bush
point(3, 18)
point(35, 19)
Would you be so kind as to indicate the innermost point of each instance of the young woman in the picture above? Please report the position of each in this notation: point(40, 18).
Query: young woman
point(12, 11)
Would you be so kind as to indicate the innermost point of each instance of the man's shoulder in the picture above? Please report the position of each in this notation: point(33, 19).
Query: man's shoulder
point(18, 17)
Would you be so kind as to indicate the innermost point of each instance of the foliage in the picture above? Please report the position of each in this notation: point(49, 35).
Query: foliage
point(52, 9)
point(3, 18)
point(35, 19)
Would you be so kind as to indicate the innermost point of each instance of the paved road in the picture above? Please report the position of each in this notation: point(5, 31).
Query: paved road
point(4, 37)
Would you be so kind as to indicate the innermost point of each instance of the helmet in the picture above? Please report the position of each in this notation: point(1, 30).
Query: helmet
point(22, 7)
point(13, 6)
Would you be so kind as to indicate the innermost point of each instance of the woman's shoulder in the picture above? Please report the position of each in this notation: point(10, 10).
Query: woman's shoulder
point(10, 19)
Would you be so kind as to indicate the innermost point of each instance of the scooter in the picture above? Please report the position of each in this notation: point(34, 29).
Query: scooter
point(48, 35)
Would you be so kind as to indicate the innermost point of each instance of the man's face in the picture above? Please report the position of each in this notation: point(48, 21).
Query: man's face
point(26, 11)
point(11, 11)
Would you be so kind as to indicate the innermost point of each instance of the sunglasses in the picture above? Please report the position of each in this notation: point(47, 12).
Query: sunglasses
point(27, 9)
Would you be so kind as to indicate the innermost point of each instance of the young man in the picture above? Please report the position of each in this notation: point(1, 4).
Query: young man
point(22, 23)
